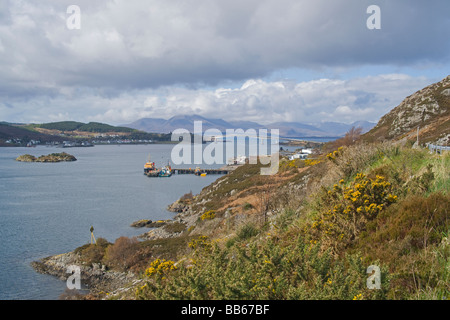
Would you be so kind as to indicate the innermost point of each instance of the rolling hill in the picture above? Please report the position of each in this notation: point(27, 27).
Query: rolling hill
point(56, 132)
point(81, 127)
point(22, 135)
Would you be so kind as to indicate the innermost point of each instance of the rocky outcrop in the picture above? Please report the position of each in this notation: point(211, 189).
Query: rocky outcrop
point(149, 223)
point(94, 277)
point(427, 110)
point(185, 217)
point(26, 158)
point(178, 207)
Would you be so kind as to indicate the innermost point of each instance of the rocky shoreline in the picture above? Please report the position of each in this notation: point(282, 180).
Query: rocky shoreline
point(184, 219)
point(149, 223)
point(95, 277)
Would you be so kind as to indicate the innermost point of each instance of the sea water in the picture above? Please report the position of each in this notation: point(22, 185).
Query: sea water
point(48, 208)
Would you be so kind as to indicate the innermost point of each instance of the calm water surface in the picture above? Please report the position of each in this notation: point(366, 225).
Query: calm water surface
point(48, 208)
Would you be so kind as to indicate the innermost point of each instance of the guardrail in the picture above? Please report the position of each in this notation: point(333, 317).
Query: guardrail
point(437, 149)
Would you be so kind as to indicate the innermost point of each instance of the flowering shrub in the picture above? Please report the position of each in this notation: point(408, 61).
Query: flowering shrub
point(286, 165)
point(335, 154)
point(350, 208)
point(160, 267)
point(158, 272)
point(267, 270)
point(311, 162)
point(200, 242)
point(208, 215)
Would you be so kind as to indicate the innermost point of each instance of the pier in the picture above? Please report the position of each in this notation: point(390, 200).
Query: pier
point(197, 171)
point(200, 171)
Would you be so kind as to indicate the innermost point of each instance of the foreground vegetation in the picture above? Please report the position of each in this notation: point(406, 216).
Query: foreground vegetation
point(310, 232)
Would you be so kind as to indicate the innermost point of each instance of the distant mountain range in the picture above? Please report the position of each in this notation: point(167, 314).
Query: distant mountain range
point(287, 129)
point(427, 110)
point(159, 129)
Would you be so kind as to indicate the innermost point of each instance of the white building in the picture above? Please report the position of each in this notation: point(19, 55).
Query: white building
point(237, 160)
point(298, 156)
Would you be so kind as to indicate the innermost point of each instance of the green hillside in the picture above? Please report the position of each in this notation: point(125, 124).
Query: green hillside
point(22, 135)
point(61, 126)
point(365, 205)
point(309, 232)
point(86, 127)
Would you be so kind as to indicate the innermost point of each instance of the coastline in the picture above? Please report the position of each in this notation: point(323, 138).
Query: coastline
point(103, 283)
point(94, 278)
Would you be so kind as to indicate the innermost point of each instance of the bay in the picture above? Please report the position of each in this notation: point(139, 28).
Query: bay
point(48, 208)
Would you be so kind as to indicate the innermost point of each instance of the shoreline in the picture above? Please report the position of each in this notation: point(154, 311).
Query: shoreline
point(95, 144)
point(96, 277)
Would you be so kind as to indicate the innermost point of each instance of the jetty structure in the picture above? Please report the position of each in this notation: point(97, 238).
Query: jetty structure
point(168, 171)
point(199, 171)
point(150, 169)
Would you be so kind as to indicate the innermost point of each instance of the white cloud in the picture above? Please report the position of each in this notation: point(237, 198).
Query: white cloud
point(152, 43)
point(343, 110)
point(257, 100)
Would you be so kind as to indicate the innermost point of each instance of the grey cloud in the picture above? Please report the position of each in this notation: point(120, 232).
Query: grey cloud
point(144, 58)
point(139, 44)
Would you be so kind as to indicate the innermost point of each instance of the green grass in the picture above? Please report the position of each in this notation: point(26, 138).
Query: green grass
point(175, 227)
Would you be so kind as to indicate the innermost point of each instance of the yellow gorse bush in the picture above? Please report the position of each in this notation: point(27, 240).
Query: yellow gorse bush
point(158, 271)
point(265, 270)
point(311, 162)
point(160, 267)
point(358, 297)
point(335, 154)
point(200, 242)
point(364, 196)
point(350, 207)
point(208, 215)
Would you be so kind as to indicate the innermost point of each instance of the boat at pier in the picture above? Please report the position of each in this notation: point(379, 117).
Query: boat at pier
point(166, 171)
point(149, 167)
point(150, 170)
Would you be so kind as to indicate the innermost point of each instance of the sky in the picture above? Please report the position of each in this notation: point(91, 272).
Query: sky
point(256, 60)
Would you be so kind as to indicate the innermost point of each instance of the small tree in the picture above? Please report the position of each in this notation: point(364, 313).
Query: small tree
point(120, 255)
point(263, 202)
point(351, 137)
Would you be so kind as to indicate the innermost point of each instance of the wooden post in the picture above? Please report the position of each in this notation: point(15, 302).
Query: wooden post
point(418, 136)
point(92, 236)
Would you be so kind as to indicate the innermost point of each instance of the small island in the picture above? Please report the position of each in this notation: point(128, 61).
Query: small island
point(53, 157)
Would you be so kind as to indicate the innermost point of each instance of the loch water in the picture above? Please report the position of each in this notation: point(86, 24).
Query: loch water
point(48, 208)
